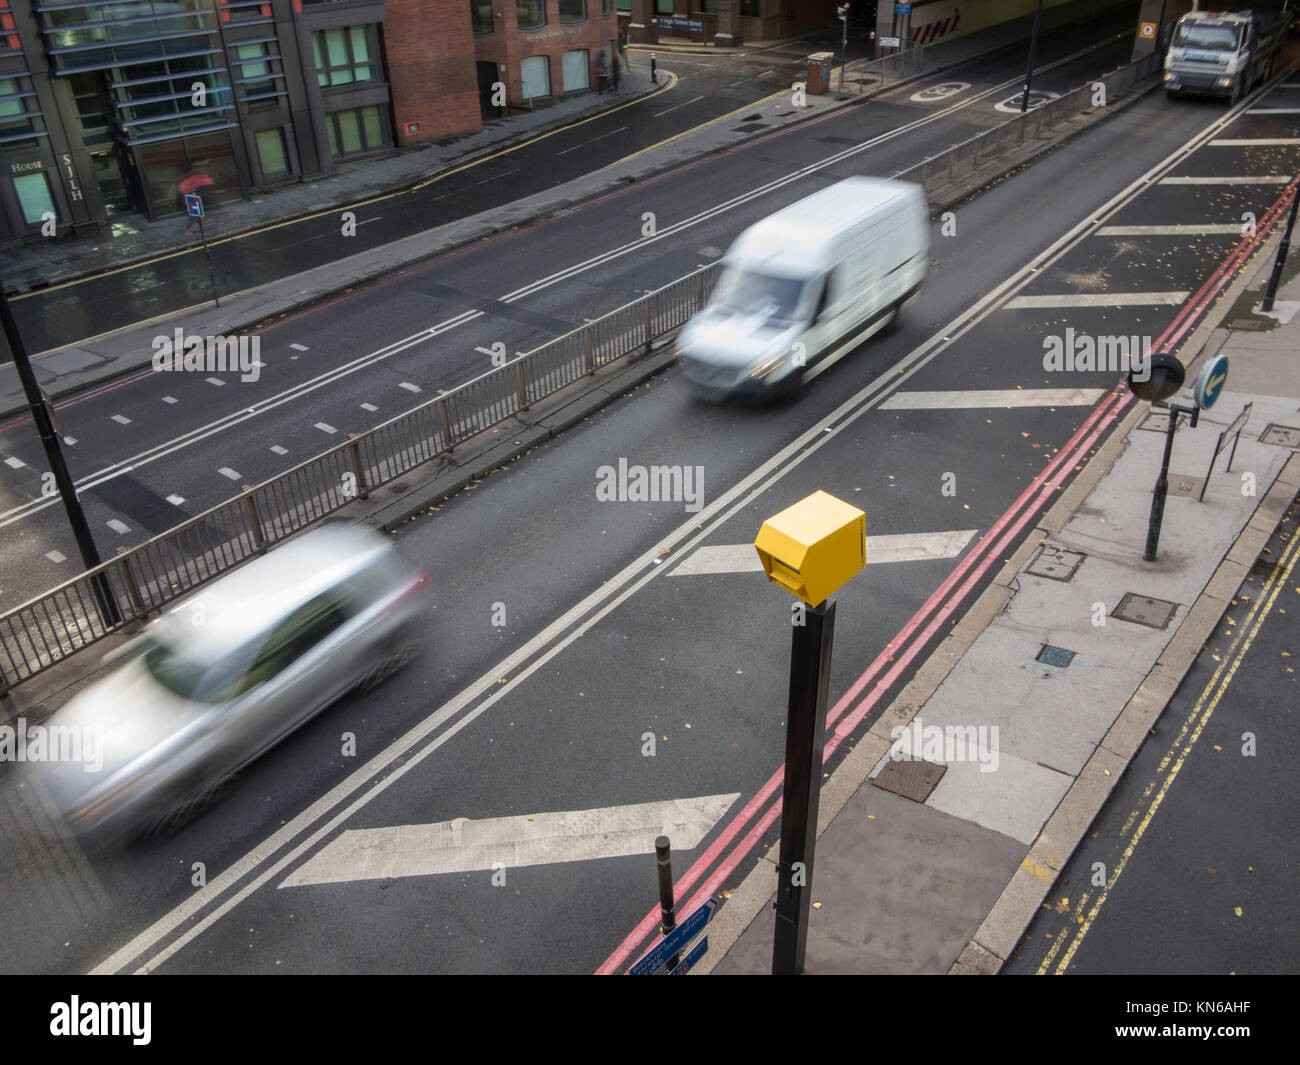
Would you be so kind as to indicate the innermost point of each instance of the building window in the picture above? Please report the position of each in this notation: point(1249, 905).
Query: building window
point(625, 5)
point(536, 73)
point(749, 8)
point(14, 116)
point(34, 197)
point(255, 69)
point(576, 67)
point(531, 14)
point(607, 6)
point(573, 10)
point(481, 12)
point(271, 153)
point(342, 56)
point(663, 7)
point(351, 132)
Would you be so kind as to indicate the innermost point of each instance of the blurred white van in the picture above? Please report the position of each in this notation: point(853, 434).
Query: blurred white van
point(806, 285)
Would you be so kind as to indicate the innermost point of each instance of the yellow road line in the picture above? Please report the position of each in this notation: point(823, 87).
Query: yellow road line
point(1192, 729)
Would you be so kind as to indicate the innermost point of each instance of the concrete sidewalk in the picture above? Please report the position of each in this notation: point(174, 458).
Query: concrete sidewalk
point(948, 880)
point(76, 367)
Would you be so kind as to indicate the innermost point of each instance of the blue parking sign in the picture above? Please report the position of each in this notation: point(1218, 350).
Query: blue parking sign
point(194, 204)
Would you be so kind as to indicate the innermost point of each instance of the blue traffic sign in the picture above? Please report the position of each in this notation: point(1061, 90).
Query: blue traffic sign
point(194, 204)
point(697, 952)
point(1210, 381)
point(675, 940)
point(903, 9)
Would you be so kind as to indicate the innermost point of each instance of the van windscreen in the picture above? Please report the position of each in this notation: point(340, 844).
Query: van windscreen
point(764, 294)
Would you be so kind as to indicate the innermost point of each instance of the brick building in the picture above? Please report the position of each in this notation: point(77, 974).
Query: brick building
point(106, 104)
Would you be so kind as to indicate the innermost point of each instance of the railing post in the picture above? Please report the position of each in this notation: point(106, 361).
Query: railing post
point(521, 382)
point(444, 424)
point(133, 587)
point(255, 524)
point(588, 349)
point(363, 489)
point(649, 319)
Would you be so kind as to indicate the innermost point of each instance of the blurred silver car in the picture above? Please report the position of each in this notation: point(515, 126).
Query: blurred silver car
point(230, 672)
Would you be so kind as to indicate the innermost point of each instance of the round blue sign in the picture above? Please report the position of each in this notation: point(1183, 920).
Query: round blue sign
point(1210, 381)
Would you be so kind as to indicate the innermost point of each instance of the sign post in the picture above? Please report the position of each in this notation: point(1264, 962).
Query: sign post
point(194, 208)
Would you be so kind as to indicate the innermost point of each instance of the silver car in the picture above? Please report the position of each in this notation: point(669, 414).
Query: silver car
point(230, 672)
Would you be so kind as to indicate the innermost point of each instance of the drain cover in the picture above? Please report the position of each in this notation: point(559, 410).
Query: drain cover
point(1143, 610)
point(1282, 435)
point(1055, 656)
point(912, 779)
point(1245, 323)
point(1183, 485)
point(1157, 421)
point(1055, 563)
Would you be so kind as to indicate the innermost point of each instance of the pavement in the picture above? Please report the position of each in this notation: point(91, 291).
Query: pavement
point(65, 371)
point(948, 879)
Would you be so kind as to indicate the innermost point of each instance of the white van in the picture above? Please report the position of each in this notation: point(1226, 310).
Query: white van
point(806, 285)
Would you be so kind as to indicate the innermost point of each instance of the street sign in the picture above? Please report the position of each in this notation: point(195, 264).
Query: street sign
point(697, 952)
point(194, 204)
point(1146, 30)
point(903, 9)
point(675, 940)
point(888, 42)
point(1210, 381)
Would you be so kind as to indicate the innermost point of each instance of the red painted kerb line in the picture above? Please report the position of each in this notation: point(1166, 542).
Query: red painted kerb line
point(1172, 334)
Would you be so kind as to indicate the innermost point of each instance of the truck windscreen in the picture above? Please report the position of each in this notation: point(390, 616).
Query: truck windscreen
point(1207, 38)
point(765, 294)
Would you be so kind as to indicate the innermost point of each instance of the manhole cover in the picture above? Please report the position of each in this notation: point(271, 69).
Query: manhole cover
point(1055, 563)
point(912, 779)
point(1183, 485)
point(1245, 323)
point(1055, 656)
point(1282, 435)
point(1157, 421)
point(748, 127)
point(1143, 610)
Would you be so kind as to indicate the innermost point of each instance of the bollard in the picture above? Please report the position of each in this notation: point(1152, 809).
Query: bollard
point(667, 905)
point(653, 75)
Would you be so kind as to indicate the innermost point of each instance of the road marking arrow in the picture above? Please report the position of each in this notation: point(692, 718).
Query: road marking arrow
point(463, 845)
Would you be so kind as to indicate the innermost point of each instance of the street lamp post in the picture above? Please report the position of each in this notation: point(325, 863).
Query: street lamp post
point(1033, 49)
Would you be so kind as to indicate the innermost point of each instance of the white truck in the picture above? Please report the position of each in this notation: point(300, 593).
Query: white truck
point(1216, 53)
point(806, 285)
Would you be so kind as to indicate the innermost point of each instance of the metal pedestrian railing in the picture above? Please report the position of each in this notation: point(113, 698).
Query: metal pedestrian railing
point(140, 581)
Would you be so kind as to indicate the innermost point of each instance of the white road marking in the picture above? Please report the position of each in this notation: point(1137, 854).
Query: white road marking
point(687, 104)
point(1249, 142)
point(214, 381)
point(496, 177)
point(1210, 229)
point(279, 450)
point(325, 427)
point(175, 500)
point(56, 556)
point(593, 140)
point(14, 463)
point(463, 845)
point(1099, 299)
point(1273, 111)
point(70, 440)
point(255, 868)
point(226, 471)
point(170, 399)
point(993, 397)
point(121, 528)
point(409, 387)
point(370, 407)
point(299, 347)
point(1242, 179)
point(121, 419)
point(889, 547)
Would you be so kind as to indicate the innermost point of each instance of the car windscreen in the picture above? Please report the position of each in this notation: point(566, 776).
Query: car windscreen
point(763, 294)
point(172, 669)
point(1206, 38)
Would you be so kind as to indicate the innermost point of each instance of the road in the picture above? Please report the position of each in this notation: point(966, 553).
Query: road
point(613, 631)
point(151, 450)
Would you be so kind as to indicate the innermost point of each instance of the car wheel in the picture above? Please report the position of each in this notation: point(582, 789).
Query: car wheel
point(186, 807)
point(387, 660)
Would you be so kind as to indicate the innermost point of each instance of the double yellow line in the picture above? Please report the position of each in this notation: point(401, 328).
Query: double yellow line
point(1199, 716)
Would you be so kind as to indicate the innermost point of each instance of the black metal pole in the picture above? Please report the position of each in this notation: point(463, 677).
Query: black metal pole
point(1033, 49)
point(212, 277)
point(667, 905)
point(44, 423)
point(810, 669)
point(1161, 489)
point(1283, 249)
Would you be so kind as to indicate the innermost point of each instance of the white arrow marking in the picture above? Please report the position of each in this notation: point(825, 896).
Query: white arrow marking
point(537, 839)
point(895, 547)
